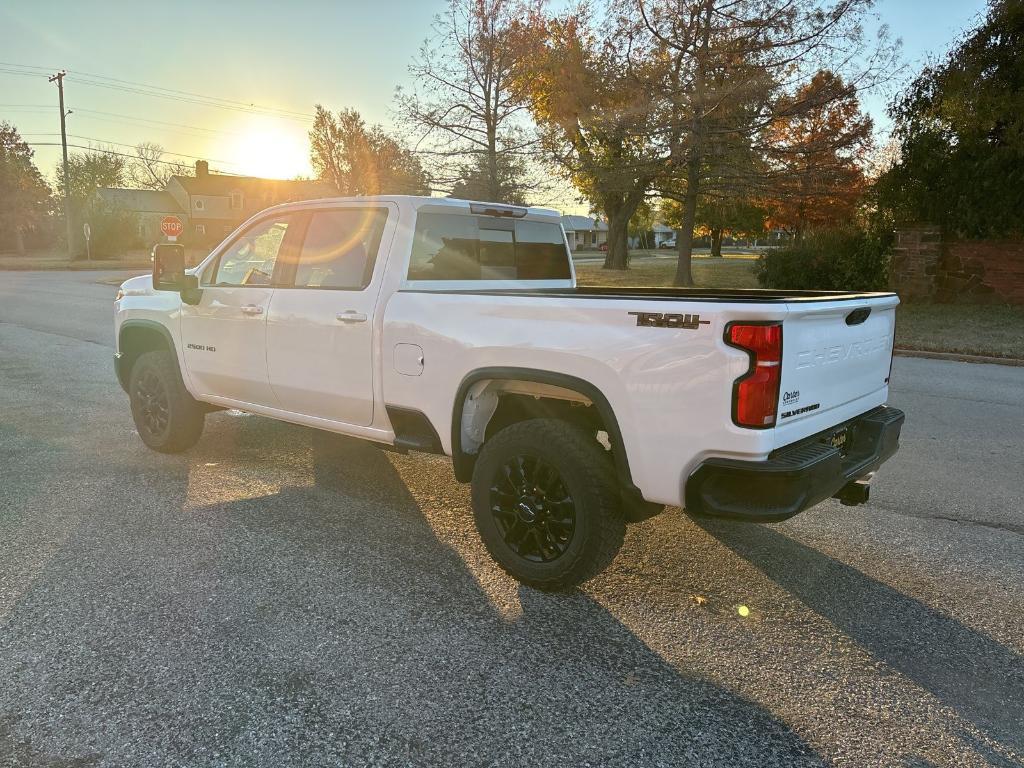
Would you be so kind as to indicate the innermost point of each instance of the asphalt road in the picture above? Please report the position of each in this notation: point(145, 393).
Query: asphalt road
point(275, 597)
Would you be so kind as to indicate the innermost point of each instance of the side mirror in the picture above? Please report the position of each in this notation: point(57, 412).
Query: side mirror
point(168, 267)
point(169, 273)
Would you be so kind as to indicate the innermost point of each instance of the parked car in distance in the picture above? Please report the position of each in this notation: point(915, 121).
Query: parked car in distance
point(670, 243)
point(457, 328)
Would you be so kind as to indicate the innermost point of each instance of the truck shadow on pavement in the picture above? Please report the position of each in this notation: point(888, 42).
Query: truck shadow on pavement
point(278, 597)
point(972, 673)
point(422, 668)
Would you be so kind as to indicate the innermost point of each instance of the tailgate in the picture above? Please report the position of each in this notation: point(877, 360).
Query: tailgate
point(834, 353)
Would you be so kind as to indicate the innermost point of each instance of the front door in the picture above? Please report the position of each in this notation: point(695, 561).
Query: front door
point(225, 335)
point(320, 325)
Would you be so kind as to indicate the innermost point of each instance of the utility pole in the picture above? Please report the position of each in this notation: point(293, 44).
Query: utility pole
point(59, 78)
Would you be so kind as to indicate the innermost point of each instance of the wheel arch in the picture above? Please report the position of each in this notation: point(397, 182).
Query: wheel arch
point(136, 337)
point(463, 461)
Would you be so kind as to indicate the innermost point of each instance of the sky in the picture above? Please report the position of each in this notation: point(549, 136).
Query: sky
point(279, 58)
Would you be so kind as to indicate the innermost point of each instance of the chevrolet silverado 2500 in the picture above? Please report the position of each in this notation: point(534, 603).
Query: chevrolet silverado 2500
point(453, 327)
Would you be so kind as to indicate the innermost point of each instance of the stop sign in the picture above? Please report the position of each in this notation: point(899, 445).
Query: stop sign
point(171, 226)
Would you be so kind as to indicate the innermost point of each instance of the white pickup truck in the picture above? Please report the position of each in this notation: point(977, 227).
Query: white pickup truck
point(453, 327)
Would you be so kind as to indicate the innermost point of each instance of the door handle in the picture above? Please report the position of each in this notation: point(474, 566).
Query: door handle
point(252, 309)
point(350, 316)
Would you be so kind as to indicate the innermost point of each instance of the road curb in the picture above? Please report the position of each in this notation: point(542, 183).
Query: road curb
point(960, 358)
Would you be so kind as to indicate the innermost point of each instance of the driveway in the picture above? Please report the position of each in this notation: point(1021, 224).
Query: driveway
point(280, 597)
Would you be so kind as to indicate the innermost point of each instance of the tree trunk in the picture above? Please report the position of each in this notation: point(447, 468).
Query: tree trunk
point(619, 209)
point(492, 173)
point(716, 243)
point(19, 241)
point(684, 237)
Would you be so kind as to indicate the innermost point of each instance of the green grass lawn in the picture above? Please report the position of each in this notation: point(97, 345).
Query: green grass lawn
point(48, 262)
point(994, 331)
point(707, 273)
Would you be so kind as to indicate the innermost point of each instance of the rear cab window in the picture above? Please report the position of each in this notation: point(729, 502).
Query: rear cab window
point(457, 247)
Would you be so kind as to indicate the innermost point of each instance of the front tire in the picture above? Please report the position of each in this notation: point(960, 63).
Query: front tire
point(168, 419)
point(546, 503)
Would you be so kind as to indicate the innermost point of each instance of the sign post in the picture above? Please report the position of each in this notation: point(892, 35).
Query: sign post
point(87, 231)
point(172, 227)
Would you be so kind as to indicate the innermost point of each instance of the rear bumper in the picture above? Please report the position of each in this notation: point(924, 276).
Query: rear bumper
point(797, 476)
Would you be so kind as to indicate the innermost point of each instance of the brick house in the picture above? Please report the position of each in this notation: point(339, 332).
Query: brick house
point(214, 204)
point(210, 205)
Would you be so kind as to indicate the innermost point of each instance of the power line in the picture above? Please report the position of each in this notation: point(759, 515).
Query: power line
point(155, 91)
point(123, 144)
point(89, 112)
point(112, 152)
point(131, 120)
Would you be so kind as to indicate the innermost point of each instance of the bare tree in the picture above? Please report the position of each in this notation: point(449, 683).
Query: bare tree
point(462, 107)
point(148, 169)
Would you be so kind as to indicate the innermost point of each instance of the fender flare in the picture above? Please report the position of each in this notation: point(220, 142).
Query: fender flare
point(149, 325)
point(463, 462)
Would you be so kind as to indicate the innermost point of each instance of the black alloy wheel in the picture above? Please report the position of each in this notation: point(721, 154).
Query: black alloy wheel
point(533, 509)
point(153, 404)
point(547, 503)
point(167, 418)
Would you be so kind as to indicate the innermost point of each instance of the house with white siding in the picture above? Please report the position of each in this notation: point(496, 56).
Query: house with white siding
point(584, 232)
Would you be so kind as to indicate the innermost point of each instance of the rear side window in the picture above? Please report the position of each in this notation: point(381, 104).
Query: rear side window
point(457, 247)
point(339, 248)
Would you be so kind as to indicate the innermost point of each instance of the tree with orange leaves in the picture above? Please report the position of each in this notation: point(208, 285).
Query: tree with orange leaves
point(588, 87)
point(819, 155)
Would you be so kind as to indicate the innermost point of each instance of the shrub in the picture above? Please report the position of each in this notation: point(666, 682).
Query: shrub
point(836, 260)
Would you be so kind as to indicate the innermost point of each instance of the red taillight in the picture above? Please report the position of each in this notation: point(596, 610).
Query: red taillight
point(755, 395)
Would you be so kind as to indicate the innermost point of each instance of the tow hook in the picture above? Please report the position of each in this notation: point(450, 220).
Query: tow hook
point(855, 492)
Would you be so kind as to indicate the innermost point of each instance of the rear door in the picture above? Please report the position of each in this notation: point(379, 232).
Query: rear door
point(224, 336)
point(320, 325)
point(835, 354)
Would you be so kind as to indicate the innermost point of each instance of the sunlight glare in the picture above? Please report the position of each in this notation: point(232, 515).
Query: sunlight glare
point(270, 148)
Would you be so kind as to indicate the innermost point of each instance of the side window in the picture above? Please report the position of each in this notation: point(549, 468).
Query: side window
point(340, 248)
point(445, 248)
point(250, 259)
point(450, 246)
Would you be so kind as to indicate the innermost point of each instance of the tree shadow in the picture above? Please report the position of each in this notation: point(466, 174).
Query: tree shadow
point(326, 623)
point(972, 673)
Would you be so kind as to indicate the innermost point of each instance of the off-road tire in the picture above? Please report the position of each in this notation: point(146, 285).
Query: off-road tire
point(587, 474)
point(168, 419)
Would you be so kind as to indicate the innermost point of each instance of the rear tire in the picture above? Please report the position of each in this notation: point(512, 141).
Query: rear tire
point(168, 419)
point(547, 504)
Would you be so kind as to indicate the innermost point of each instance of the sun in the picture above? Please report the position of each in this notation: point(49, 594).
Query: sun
point(270, 148)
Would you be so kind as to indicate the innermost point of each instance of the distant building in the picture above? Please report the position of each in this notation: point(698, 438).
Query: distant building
point(662, 233)
point(584, 232)
point(210, 205)
point(148, 205)
point(216, 204)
